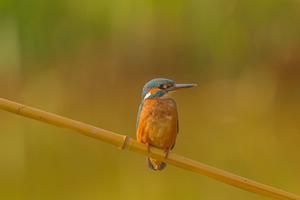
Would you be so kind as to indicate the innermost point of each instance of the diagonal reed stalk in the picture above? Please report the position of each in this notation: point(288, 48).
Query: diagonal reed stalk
point(124, 142)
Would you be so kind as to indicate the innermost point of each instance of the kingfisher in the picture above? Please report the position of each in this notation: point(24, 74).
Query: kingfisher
point(157, 120)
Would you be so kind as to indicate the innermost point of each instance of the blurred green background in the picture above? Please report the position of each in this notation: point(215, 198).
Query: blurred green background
point(88, 60)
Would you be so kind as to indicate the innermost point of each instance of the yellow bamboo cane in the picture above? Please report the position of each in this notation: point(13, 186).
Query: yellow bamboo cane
point(124, 142)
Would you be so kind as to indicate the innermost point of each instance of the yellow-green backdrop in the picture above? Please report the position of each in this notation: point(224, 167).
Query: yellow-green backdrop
point(88, 60)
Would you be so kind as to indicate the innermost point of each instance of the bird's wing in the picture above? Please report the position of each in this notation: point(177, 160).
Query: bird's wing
point(177, 126)
point(138, 115)
point(177, 131)
point(177, 118)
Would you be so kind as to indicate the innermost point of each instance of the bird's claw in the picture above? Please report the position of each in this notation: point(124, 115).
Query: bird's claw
point(167, 153)
point(148, 148)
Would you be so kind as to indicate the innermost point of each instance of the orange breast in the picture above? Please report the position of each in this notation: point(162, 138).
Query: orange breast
point(158, 123)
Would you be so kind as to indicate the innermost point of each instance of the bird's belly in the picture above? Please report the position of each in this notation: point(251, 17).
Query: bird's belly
point(161, 131)
point(158, 123)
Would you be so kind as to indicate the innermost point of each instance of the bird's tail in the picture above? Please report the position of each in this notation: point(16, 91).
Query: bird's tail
point(156, 164)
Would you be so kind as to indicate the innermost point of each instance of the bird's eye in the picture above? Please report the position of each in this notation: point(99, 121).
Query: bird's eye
point(163, 86)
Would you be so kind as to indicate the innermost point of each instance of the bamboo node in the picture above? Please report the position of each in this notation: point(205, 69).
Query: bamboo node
point(125, 142)
point(20, 109)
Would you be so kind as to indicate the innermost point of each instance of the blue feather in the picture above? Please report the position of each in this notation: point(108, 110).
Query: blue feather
point(155, 83)
point(138, 115)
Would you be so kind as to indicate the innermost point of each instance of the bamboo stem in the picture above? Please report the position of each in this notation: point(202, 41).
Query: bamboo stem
point(124, 142)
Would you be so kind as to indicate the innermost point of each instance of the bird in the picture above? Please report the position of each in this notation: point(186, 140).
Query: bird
point(157, 119)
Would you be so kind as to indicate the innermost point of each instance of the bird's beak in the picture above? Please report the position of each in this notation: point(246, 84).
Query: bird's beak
point(182, 86)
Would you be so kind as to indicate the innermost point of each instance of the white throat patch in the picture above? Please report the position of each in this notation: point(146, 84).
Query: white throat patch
point(147, 95)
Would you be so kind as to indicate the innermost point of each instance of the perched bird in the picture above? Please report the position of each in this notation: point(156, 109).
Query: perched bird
point(157, 120)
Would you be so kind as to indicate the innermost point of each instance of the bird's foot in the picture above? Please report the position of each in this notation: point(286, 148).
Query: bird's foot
point(148, 148)
point(167, 153)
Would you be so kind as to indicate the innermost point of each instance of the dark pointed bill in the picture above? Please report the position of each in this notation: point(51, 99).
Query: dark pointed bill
point(182, 86)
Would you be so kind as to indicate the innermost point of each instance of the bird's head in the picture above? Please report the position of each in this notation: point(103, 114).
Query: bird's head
point(158, 87)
